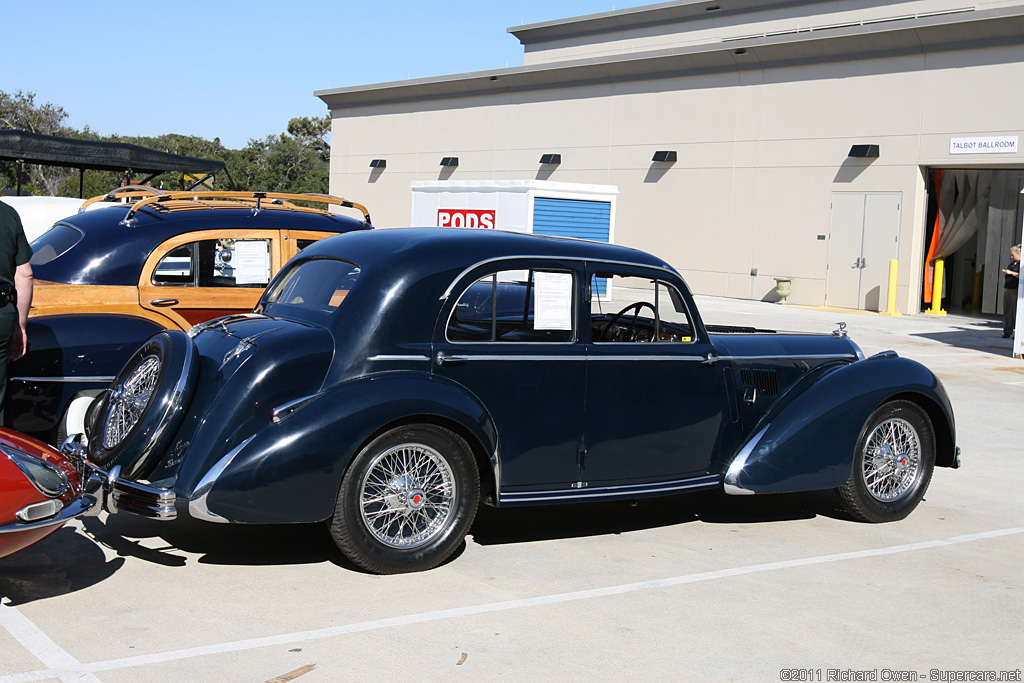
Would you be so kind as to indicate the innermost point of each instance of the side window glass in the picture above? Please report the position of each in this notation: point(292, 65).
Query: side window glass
point(302, 244)
point(177, 268)
point(230, 262)
point(516, 306)
point(626, 308)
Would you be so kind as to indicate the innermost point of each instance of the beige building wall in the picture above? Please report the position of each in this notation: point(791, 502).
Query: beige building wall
point(760, 153)
point(692, 23)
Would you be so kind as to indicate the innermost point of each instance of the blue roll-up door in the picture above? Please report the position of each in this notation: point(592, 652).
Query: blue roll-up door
point(572, 218)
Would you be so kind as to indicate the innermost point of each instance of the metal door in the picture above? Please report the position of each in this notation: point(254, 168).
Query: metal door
point(863, 238)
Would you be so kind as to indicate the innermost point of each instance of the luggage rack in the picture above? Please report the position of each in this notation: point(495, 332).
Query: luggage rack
point(191, 200)
point(121, 193)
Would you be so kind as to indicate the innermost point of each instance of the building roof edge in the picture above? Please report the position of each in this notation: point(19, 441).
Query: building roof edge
point(983, 28)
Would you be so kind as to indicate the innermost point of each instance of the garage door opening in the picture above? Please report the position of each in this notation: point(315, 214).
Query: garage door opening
point(974, 217)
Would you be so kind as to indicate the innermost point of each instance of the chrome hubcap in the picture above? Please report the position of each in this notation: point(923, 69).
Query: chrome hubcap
point(407, 496)
point(128, 400)
point(892, 459)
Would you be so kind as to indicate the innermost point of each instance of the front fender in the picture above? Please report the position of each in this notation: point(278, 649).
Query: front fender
point(808, 443)
point(290, 472)
point(69, 354)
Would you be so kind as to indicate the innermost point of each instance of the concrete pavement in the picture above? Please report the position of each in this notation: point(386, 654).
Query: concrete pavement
point(692, 588)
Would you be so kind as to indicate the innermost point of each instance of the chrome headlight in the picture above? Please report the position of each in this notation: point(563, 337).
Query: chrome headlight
point(49, 479)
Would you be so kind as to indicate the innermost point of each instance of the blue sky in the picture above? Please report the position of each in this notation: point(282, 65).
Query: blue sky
point(240, 70)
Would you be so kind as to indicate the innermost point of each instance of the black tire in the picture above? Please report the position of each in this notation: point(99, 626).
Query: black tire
point(391, 517)
point(892, 465)
point(134, 420)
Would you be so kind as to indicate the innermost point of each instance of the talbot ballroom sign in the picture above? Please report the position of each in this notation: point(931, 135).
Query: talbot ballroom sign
point(1006, 144)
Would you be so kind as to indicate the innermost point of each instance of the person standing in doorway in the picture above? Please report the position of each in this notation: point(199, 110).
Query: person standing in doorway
point(15, 292)
point(1012, 273)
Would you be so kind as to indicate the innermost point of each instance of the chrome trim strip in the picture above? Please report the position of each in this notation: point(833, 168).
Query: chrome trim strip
point(196, 329)
point(682, 358)
point(687, 358)
point(465, 359)
point(548, 257)
point(739, 462)
point(79, 506)
point(397, 357)
point(625, 491)
point(104, 380)
point(783, 357)
point(286, 409)
point(197, 501)
point(179, 388)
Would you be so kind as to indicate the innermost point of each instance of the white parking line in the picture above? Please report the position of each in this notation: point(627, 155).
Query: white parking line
point(67, 668)
point(62, 664)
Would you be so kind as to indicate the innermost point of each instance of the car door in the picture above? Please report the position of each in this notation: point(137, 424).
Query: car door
point(510, 336)
point(199, 276)
point(654, 402)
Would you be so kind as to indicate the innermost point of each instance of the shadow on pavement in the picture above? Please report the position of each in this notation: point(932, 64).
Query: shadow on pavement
point(64, 562)
point(518, 525)
point(985, 336)
point(222, 544)
point(72, 559)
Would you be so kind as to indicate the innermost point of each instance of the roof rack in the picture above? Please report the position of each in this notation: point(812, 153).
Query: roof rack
point(123, 192)
point(159, 197)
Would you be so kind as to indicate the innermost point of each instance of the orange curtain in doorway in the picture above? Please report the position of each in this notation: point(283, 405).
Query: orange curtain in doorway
point(929, 266)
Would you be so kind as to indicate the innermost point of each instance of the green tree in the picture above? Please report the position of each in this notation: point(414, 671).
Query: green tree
point(296, 161)
point(19, 111)
point(314, 133)
point(280, 163)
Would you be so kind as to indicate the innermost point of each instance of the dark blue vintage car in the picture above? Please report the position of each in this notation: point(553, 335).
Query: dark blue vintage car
point(107, 279)
point(391, 380)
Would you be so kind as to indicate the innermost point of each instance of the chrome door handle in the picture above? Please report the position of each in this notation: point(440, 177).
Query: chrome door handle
point(163, 302)
point(443, 359)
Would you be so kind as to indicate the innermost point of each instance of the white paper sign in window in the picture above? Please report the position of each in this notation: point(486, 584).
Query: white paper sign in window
point(552, 301)
point(252, 262)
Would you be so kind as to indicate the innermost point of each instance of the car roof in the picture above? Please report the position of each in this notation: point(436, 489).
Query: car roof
point(405, 273)
point(121, 250)
point(422, 251)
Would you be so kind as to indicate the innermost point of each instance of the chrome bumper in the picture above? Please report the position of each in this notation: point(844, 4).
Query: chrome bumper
point(83, 505)
point(111, 493)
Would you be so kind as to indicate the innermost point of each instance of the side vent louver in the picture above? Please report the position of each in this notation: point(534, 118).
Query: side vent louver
point(765, 381)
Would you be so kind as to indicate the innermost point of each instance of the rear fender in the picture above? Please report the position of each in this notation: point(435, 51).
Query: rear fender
point(808, 443)
point(69, 354)
point(290, 472)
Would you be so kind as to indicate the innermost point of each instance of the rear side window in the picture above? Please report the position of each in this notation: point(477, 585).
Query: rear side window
point(516, 306)
point(222, 262)
point(317, 284)
point(54, 243)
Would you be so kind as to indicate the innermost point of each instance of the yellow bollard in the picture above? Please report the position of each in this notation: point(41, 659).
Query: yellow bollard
point(937, 289)
point(890, 305)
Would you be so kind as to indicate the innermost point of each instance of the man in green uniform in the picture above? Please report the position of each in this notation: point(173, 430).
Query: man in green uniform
point(15, 292)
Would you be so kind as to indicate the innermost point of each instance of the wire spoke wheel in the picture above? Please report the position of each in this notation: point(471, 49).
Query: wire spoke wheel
point(133, 421)
point(407, 495)
point(892, 463)
point(892, 458)
point(129, 400)
point(407, 500)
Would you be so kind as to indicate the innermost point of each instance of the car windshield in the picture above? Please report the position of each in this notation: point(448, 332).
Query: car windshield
point(316, 284)
point(53, 243)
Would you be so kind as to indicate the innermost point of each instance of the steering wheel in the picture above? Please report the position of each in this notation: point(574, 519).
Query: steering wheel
point(639, 306)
